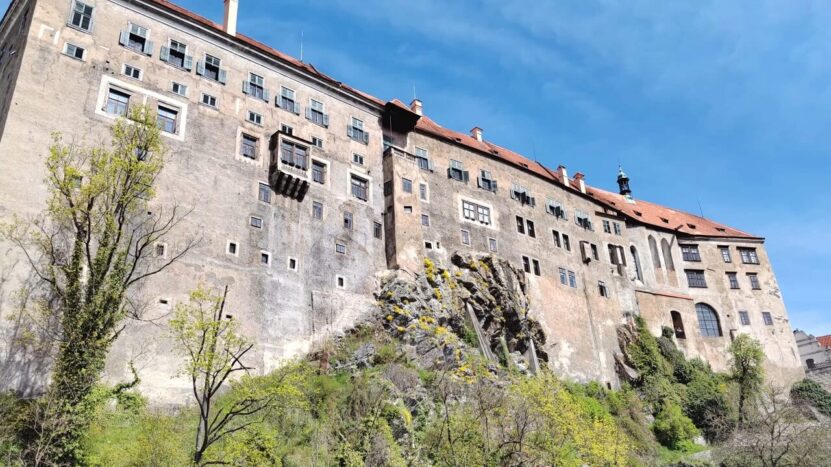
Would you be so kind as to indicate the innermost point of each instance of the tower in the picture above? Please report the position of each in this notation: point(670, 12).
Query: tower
point(623, 183)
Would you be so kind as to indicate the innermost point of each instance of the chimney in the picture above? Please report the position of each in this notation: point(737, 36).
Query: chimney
point(230, 22)
point(476, 132)
point(563, 174)
point(417, 107)
point(580, 178)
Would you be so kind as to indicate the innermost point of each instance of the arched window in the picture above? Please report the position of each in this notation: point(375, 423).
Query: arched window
point(708, 322)
point(667, 255)
point(637, 261)
point(653, 248)
point(678, 325)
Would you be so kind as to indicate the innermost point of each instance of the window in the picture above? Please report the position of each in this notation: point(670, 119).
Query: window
point(132, 72)
point(293, 264)
point(422, 160)
point(521, 194)
point(653, 249)
point(486, 181)
point(563, 276)
point(315, 113)
point(476, 213)
point(209, 100)
point(287, 129)
point(749, 255)
point(766, 316)
point(255, 87)
point(555, 209)
point(594, 252)
point(408, 209)
point(377, 230)
point(211, 68)
point(347, 220)
point(708, 322)
point(318, 172)
point(667, 251)
point(117, 102)
point(566, 243)
point(341, 282)
point(572, 280)
point(358, 159)
point(176, 54)
point(810, 363)
point(457, 171)
point(536, 266)
point(526, 264)
point(733, 280)
point(678, 325)
point(248, 147)
point(160, 250)
point(422, 191)
point(73, 51)
point(293, 154)
point(81, 16)
point(317, 142)
point(256, 222)
point(616, 228)
point(255, 118)
point(360, 188)
point(135, 38)
point(695, 279)
point(744, 317)
point(264, 193)
point(388, 188)
point(465, 237)
point(607, 226)
point(690, 253)
point(287, 101)
point(601, 288)
point(340, 248)
point(754, 281)
point(407, 185)
point(492, 245)
point(179, 88)
point(232, 248)
point(425, 220)
point(520, 225)
point(616, 255)
point(725, 254)
point(637, 260)
point(166, 119)
point(356, 131)
point(265, 258)
point(557, 241)
point(530, 227)
point(582, 219)
point(317, 210)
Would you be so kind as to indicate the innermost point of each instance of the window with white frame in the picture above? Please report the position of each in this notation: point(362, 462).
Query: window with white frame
point(256, 222)
point(255, 118)
point(211, 68)
point(167, 119)
point(132, 71)
point(422, 159)
point(475, 212)
point(358, 159)
point(175, 53)
point(255, 87)
point(209, 100)
point(179, 88)
point(492, 245)
point(248, 146)
point(265, 258)
point(465, 237)
point(356, 131)
point(316, 114)
point(287, 100)
point(136, 38)
point(359, 187)
point(264, 193)
point(74, 51)
point(81, 16)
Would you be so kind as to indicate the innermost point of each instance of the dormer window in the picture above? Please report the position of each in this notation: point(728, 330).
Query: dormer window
point(486, 182)
point(136, 38)
point(294, 155)
point(356, 131)
point(457, 171)
point(255, 87)
point(521, 194)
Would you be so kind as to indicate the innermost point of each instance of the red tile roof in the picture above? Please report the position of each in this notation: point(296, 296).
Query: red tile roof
point(641, 211)
point(824, 341)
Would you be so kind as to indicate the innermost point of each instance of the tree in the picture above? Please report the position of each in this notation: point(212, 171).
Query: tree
point(215, 351)
point(746, 370)
point(92, 245)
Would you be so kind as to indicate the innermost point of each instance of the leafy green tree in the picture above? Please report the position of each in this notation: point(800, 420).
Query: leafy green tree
point(746, 370)
point(93, 244)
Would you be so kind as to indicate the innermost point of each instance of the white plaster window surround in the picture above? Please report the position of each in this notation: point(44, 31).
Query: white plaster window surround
point(292, 264)
point(258, 161)
point(361, 175)
point(265, 258)
point(74, 51)
point(160, 250)
point(132, 71)
point(327, 171)
point(81, 16)
point(340, 282)
point(141, 96)
point(461, 212)
point(232, 248)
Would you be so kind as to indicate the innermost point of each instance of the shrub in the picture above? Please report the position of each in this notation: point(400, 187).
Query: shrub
point(811, 393)
point(673, 429)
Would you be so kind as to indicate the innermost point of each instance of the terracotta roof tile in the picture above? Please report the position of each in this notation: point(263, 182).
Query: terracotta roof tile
point(824, 341)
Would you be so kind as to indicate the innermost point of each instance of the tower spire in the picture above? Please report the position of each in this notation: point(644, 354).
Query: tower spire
point(623, 183)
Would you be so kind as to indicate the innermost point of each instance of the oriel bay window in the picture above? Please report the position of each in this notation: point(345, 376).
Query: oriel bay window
point(294, 155)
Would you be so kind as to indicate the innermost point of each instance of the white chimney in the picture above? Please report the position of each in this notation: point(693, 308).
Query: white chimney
point(581, 182)
point(563, 174)
point(230, 22)
point(476, 132)
point(417, 107)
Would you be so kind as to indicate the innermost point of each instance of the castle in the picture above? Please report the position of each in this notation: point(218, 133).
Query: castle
point(302, 190)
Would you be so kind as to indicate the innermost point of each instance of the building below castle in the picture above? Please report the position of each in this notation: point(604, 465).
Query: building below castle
point(302, 190)
point(815, 353)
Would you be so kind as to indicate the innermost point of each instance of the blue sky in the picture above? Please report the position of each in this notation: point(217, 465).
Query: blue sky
point(722, 103)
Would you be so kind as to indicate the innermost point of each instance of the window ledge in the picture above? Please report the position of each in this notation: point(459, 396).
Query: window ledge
point(78, 28)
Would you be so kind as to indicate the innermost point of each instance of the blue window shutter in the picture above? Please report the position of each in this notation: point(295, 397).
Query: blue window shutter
point(188, 62)
point(308, 113)
point(246, 87)
point(326, 120)
point(449, 172)
point(296, 108)
point(366, 138)
point(148, 47)
point(200, 68)
point(478, 182)
point(124, 38)
point(493, 186)
point(266, 95)
point(164, 54)
point(466, 176)
point(430, 166)
point(349, 131)
point(223, 76)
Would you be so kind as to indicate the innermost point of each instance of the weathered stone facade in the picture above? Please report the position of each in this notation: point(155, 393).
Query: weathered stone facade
point(310, 269)
point(816, 359)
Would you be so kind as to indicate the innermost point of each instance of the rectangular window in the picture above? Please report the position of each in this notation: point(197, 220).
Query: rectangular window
point(617, 229)
point(340, 248)
point(377, 229)
point(209, 100)
point(232, 248)
point(768, 318)
point(563, 276)
point(696, 279)
point(408, 209)
point(160, 250)
point(117, 102)
point(526, 264)
point(594, 252)
point(422, 191)
point(179, 88)
point(360, 188)
point(582, 219)
point(132, 72)
point(601, 286)
point(555, 209)
point(317, 142)
point(749, 255)
point(745, 318)
point(317, 210)
point(530, 228)
point(733, 280)
point(316, 114)
point(476, 213)
point(294, 155)
point(256, 222)
point(520, 225)
point(425, 220)
point(358, 159)
point(73, 51)
point(81, 16)
point(556, 236)
point(287, 129)
point(492, 245)
point(422, 159)
point(249, 145)
point(356, 131)
point(536, 266)
point(135, 38)
point(388, 188)
point(521, 194)
point(287, 100)
point(167, 119)
point(211, 69)
point(318, 172)
point(566, 243)
point(265, 258)
point(255, 87)
point(754, 281)
point(255, 118)
point(725, 254)
point(486, 181)
point(457, 171)
point(607, 226)
point(465, 237)
point(347, 220)
point(690, 253)
point(176, 54)
point(572, 280)
point(264, 193)
point(407, 185)
point(293, 264)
